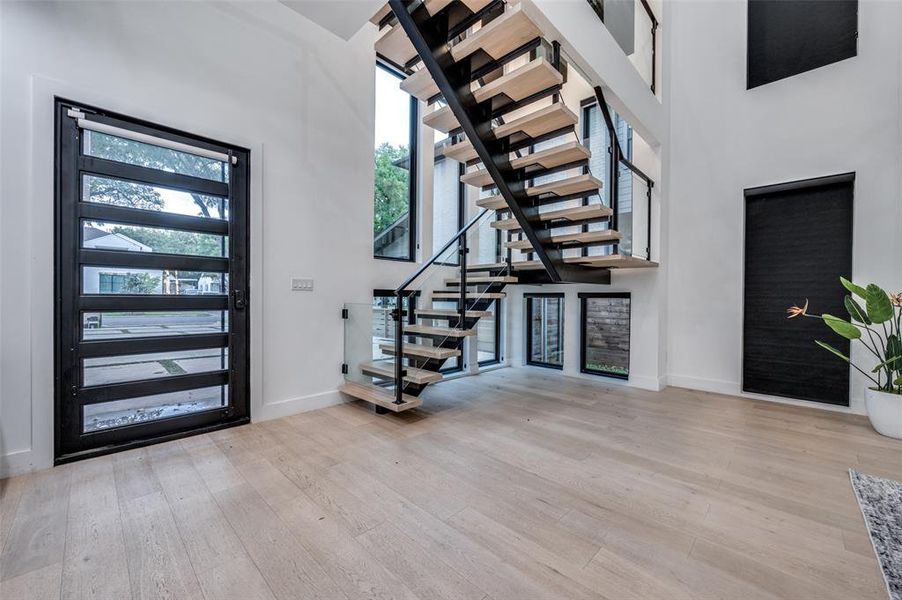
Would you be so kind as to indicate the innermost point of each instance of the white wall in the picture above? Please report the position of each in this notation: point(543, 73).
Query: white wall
point(723, 139)
point(254, 74)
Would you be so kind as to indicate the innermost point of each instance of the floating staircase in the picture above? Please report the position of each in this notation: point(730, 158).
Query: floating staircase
point(494, 85)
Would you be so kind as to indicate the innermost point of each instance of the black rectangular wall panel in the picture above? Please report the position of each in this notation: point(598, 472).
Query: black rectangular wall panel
point(788, 37)
point(798, 242)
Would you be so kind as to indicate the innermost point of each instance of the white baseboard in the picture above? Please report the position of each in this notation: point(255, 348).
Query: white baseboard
point(292, 406)
point(18, 463)
point(734, 388)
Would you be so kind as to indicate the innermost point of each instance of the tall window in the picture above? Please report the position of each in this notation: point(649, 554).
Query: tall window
point(605, 334)
point(447, 201)
point(488, 337)
point(598, 140)
point(394, 222)
point(545, 330)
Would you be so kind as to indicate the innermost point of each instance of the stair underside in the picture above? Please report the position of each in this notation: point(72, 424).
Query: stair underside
point(422, 351)
point(571, 215)
point(583, 237)
point(441, 119)
point(612, 261)
point(379, 396)
point(386, 370)
point(455, 295)
point(428, 313)
point(447, 332)
point(396, 46)
point(491, 279)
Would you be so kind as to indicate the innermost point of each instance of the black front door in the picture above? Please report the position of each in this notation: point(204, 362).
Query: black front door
point(151, 283)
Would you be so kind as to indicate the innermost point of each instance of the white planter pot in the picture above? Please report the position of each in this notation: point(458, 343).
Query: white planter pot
point(885, 412)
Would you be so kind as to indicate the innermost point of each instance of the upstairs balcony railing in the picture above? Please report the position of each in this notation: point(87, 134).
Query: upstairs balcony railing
point(634, 26)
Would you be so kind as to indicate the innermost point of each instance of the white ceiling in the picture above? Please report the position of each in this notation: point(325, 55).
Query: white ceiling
point(344, 18)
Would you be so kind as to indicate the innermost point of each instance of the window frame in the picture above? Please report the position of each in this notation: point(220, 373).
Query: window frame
point(72, 441)
point(413, 231)
point(498, 358)
point(583, 323)
point(528, 298)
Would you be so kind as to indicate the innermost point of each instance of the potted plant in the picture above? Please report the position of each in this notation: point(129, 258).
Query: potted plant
point(878, 326)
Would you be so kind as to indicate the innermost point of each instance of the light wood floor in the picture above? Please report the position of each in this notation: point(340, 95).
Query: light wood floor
point(517, 484)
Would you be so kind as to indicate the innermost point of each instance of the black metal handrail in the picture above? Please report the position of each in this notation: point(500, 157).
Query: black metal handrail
point(617, 159)
point(463, 230)
point(402, 292)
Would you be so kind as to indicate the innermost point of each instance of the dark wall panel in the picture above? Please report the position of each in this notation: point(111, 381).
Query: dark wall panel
point(788, 37)
point(798, 243)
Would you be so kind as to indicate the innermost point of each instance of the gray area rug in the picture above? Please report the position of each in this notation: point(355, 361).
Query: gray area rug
point(881, 504)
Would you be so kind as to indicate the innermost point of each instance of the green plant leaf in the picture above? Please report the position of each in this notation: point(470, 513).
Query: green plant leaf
point(855, 289)
point(898, 380)
point(887, 363)
point(855, 311)
point(880, 309)
point(832, 350)
point(843, 328)
point(894, 352)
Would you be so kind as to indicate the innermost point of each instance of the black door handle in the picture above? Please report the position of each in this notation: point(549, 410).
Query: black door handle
point(239, 302)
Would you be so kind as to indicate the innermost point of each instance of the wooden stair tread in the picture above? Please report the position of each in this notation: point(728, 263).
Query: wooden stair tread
point(454, 295)
point(574, 215)
point(534, 124)
point(485, 279)
point(564, 187)
point(539, 122)
point(486, 266)
point(379, 396)
point(420, 85)
point(577, 213)
point(380, 14)
point(500, 36)
point(441, 119)
point(522, 82)
point(461, 152)
point(421, 350)
point(450, 312)
point(612, 261)
point(506, 224)
point(496, 202)
point(396, 46)
point(434, 6)
point(562, 154)
point(451, 332)
point(386, 370)
point(528, 265)
point(584, 237)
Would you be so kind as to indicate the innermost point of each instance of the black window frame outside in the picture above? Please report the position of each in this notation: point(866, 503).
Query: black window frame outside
point(71, 442)
point(413, 232)
point(750, 16)
point(528, 298)
point(583, 322)
point(499, 357)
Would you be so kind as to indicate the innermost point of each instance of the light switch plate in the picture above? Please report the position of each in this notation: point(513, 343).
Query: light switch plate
point(299, 284)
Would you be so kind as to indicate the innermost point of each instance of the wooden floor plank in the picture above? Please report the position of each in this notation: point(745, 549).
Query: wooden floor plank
point(157, 560)
point(37, 535)
point(95, 563)
point(519, 483)
point(288, 568)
